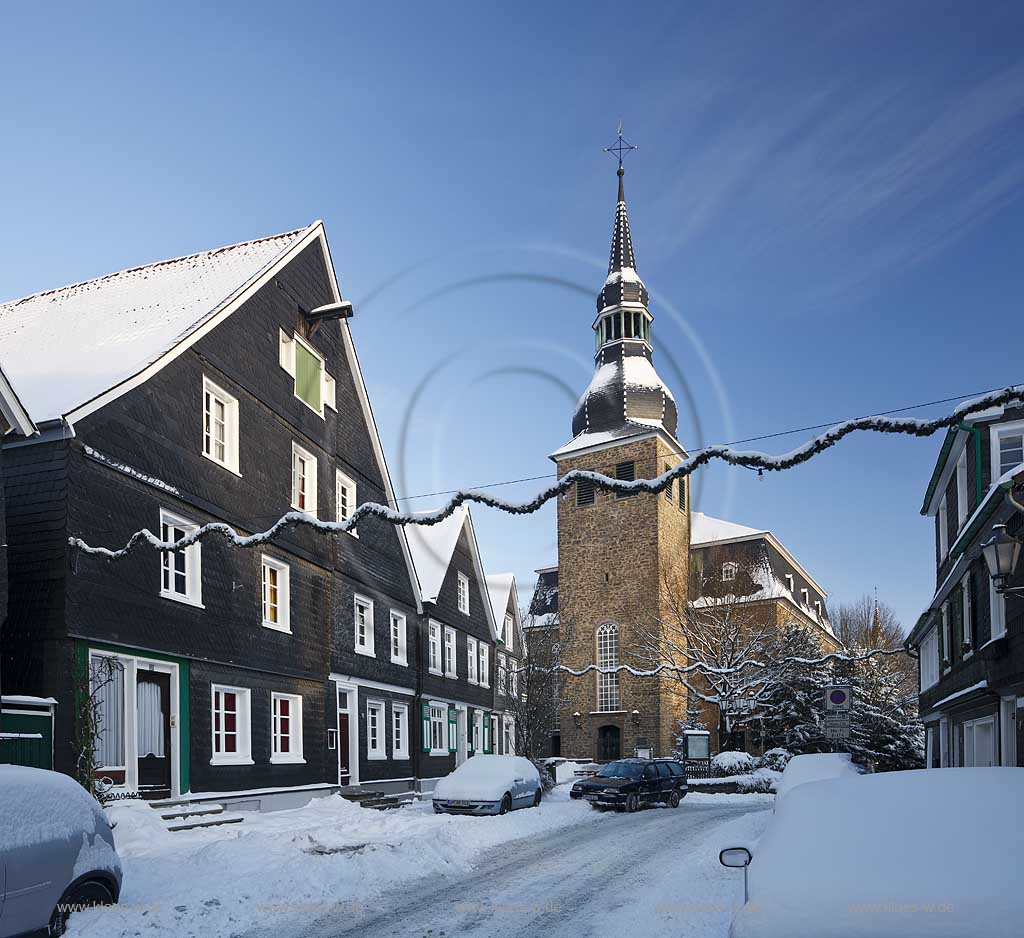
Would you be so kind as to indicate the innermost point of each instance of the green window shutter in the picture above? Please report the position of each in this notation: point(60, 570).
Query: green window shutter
point(307, 376)
point(425, 742)
point(470, 717)
point(487, 731)
point(453, 729)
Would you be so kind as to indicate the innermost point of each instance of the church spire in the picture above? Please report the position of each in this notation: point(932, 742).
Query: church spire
point(621, 255)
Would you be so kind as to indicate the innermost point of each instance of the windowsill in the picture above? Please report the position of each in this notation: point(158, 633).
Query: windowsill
point(308, 512)
point(354, 532)
point(377, 756)
point(401, 662)
point(368, 652)
point(398, 756)
point(223, 465)
point(276, 627)
point(435, 673)
point(287, 760)
point(452, 677)
point(216, 761)
point(598, 713)
point(184, 600)
point(440, 752)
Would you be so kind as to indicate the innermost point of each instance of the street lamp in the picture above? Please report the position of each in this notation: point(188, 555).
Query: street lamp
point(1002, 551)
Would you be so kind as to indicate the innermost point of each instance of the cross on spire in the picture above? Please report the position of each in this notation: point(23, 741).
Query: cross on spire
point(620, 148)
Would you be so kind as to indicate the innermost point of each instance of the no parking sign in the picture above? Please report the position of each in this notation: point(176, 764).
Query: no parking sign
point(838, 698)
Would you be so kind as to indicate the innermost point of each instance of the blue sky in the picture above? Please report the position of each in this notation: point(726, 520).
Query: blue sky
point(825, 205)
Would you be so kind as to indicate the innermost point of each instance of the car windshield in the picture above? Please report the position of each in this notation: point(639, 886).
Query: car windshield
point(622, 770)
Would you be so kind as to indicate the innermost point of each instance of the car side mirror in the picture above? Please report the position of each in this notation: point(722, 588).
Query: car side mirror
point(735, 857)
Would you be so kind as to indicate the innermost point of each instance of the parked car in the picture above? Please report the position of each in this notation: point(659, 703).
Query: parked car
point(489, 785)
point(918, 854)
point(814, 767)
point(629, 784)
point(57, 851)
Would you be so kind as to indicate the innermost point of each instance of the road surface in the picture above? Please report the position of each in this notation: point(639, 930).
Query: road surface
point(626, 876)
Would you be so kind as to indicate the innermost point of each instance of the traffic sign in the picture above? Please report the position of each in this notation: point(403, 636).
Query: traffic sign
point(837, 731)
point(838, 698)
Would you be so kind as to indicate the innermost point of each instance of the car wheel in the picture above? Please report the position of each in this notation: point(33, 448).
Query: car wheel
point(673, 799)
point(85, 895)
point(632, 803)
point(536, 799)
point(506, 804)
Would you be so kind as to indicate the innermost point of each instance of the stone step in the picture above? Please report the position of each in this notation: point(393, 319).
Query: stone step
point(380, 803)
point(359, 794)
point(195, 810)
point(188, 824)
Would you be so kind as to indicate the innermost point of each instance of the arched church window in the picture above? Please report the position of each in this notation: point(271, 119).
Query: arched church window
point(608, 657)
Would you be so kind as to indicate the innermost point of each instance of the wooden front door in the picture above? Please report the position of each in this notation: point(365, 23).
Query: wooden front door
point(153, 733)
point(344, 770)
point(609, 743)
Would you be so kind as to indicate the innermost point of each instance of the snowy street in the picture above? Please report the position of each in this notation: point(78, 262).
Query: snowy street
point(658, 868)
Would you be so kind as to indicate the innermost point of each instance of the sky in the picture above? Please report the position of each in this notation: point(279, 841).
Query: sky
point(825, 205)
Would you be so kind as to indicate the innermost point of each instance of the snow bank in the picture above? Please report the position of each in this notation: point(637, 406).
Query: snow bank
point(282, 869)
point(486, 778)
point(916, 854)
point(815, 767)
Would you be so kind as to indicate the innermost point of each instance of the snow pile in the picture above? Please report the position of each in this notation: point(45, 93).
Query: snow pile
point(733, 763)
point(486, 778)
point(891, 856)
point(815, 767)
point(277, 870)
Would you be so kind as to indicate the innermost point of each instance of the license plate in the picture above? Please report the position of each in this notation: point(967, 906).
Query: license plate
point(461, 804)
point(591, 796)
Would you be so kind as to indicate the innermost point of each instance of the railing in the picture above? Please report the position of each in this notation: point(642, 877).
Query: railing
point(24, 749)
point(699, 768)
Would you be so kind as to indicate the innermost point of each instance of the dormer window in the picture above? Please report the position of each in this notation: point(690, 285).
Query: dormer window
point(790, 583)
point(729, 571)
point(805, 598)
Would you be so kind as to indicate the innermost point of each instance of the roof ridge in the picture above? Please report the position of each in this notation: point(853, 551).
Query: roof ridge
point(154, 264)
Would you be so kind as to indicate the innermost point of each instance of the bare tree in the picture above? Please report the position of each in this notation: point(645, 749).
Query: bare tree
point(89, 682)
point(536, 705)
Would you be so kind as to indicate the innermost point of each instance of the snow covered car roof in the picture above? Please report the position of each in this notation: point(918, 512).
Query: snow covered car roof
point(890, 856)
point(485, 778)
point(814, 767)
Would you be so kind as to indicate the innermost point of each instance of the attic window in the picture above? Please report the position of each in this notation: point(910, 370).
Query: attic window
point(313, 385)
point(729, 570)
point(625, 472)
point(463, 593)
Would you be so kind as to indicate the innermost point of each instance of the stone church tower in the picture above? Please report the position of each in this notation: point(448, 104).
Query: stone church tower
point(623, 562)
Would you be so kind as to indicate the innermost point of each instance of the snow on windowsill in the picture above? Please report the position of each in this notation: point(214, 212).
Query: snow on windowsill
point(981, 685)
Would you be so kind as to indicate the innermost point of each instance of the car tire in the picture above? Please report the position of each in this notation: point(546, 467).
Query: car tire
point(673, 799)
point(536, 798)
point(84, 895)
point(506, 804)
point(632, 803)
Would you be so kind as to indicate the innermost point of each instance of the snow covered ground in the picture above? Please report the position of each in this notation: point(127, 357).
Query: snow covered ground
point(332, 867)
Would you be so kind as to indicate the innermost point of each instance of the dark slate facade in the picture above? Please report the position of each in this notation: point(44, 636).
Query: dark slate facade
point(142, 453)
point(970, 639)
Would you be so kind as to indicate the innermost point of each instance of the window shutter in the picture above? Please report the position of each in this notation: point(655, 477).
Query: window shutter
point(486, 717)
point(286, 353)
point(425, 741)
point(307, 377)
point(453, 729)
point(330, 392)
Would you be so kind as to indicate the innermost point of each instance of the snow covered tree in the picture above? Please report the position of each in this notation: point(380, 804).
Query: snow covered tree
point(536, 708)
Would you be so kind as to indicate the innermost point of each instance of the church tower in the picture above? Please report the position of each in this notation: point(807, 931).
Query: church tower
point(623, 562)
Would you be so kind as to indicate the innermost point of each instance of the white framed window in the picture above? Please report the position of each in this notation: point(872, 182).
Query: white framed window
point(805, 598)
point(478, 731)
point(471, 657)
point(729, 569)
point(276, 594)
point(501, 674)
point(464, 593)
point(817, 608)
point(947, 653)
point(997, 604)
point(180, 570)
point(438, 726)
point(313, 385)
point(508, 749)
point(966, 623)
point(220, 426)
point(943, 522)
point(230, 726)
point(285, 728)
point(108, 688)
point(344, 499)
point(929, 660)
point(608, 657)
point(961, 488)
point(509, 633)
point(790, 584)
point(303, 480)
point(434, 645)
point(492, 739)
point(450, 669)
point(375, 744)
point(979, 743)
point(513, 678)
point(398, 652)
point(1007, 447)
point(484, 668)
point(363, 621)
point(399, 731)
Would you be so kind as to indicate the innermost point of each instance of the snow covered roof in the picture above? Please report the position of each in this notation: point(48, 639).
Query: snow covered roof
point(64, 347)
point(12, 410)
point(432, 546)
point(706, 530)
point(499, 587)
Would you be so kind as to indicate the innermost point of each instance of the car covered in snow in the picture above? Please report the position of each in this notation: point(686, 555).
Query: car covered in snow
point(916, 854)
point(489, 785)
point(814, 767)
point(629, 784)
point(57, 851)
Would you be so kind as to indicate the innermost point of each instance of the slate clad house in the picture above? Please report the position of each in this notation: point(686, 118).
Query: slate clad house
point(222, 386)
point(508, 659)
point(456, 643)
point(970, 639)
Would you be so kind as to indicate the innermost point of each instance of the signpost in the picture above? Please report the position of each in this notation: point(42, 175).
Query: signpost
point(838, 699)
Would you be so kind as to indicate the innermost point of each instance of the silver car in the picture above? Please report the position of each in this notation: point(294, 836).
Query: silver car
point(489, 784)
point(57, 851)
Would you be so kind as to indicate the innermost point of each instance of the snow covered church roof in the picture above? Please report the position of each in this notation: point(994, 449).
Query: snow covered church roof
point(62, 348)
point(706, 530)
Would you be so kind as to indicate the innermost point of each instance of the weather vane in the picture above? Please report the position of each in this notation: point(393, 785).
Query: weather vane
point(621, 147)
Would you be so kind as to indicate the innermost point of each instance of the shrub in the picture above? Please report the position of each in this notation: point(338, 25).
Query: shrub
point(760, 780)
point(732, 763)
point(547, 780)
point(776, 759)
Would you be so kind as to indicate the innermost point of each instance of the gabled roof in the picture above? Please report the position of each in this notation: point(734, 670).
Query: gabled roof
point(432, 547)
point(64, 348)
point(500, 586)
point(12, 409)
point(704, 529)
